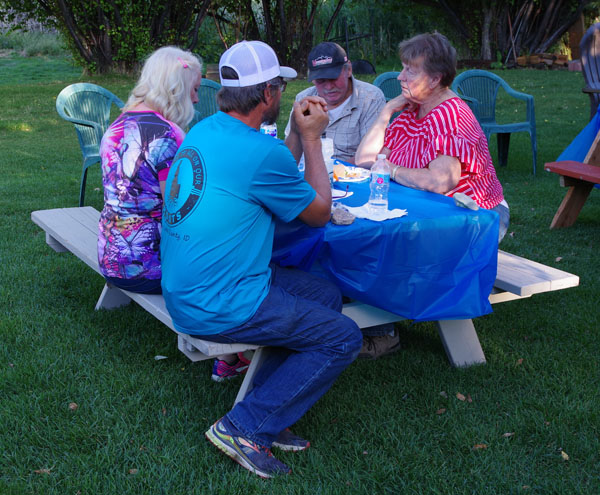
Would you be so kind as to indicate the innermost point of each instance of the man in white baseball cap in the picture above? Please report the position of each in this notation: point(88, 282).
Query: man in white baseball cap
point(226, 185)
point(254, 62)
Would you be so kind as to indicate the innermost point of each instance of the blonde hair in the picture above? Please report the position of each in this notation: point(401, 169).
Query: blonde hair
point(165, 84)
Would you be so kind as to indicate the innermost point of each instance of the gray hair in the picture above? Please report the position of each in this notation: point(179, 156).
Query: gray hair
point(439, 56)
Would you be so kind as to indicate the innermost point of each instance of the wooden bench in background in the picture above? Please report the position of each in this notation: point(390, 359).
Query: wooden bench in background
point(76, 230)
point(580, 178)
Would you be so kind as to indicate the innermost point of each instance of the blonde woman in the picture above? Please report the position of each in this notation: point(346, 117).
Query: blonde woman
point(136, 153)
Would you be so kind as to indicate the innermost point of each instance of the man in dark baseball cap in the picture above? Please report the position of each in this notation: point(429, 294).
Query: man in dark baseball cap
point(352, 105)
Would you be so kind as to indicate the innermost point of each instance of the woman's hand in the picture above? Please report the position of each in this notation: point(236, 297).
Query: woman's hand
point(398, 104)
point(372, 142)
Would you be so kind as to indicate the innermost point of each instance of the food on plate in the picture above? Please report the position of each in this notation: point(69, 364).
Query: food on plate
point(349, 174)
point(339, 170)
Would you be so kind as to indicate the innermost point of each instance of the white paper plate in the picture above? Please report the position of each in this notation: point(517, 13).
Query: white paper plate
point(355, 174)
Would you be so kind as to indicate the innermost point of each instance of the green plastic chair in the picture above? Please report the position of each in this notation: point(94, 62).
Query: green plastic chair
point(207, 100)
point(389, 84)
point(87, 106)
point(480, 89)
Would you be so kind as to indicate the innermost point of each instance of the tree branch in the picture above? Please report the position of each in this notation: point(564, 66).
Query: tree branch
point(336, 12)
point(69, 21)
point(198, 22)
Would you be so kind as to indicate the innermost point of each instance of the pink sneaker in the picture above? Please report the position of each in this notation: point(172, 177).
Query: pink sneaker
point(223, 371)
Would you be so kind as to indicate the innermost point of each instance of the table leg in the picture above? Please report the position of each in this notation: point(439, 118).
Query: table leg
point(54, 244)
point(258, 359)
point(111, 298)
point(571, 205)
point(461, 342)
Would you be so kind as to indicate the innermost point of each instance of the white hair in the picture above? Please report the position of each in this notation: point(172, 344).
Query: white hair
point(165, 84)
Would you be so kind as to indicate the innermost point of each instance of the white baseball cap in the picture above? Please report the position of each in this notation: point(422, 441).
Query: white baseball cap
point(254, 62)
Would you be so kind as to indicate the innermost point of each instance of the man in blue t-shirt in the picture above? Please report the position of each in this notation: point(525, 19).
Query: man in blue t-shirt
point(226, 185)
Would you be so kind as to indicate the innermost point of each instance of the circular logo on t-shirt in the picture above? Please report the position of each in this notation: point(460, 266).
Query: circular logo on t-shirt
point(185, 185)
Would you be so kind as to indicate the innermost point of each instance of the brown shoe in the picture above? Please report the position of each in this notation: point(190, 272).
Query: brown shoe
point(375, 347)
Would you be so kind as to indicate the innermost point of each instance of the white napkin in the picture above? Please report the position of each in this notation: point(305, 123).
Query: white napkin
point(364, 212)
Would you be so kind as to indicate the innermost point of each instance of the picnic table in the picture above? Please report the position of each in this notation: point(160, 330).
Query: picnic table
point(440, 263)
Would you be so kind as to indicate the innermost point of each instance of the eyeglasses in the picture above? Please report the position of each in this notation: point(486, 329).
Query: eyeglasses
point(344, 195)
point(281, 85)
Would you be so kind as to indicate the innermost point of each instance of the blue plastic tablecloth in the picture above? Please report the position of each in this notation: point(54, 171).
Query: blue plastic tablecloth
point(579, 147)
point(437, 263)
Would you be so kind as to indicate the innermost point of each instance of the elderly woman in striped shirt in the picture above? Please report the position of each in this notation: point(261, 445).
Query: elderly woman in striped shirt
point(436, 144)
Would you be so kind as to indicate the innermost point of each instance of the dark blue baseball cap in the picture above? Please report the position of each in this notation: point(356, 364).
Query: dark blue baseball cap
point(325, 61)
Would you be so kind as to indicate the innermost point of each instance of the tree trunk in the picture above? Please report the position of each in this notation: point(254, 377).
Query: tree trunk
point(336, 12)
point(198, 22)
point(486, 49)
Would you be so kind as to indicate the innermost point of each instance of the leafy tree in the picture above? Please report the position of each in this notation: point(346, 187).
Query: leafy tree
point(109, 35)
point(286, 25)
point(374, 29)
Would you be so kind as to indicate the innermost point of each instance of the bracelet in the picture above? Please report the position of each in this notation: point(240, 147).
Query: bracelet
point(394, 172)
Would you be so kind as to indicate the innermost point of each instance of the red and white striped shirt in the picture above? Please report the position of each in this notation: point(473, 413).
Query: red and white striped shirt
point(449, 129)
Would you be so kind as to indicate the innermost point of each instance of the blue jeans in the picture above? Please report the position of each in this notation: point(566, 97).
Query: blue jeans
point(311, 344)
point(504, 213)
point(139, 285)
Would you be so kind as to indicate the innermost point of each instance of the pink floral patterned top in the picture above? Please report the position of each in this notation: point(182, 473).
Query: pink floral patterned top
point(136, 152)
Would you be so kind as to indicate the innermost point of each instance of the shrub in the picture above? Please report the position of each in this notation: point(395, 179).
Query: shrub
point(33, 43)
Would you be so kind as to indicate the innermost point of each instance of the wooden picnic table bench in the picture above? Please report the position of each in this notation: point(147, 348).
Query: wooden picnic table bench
point(580, 178)
point(76, 230)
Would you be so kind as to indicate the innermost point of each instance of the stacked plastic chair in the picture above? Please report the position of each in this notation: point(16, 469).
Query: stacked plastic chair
point(389, 84)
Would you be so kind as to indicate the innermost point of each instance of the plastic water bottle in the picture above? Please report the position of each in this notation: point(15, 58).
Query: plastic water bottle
point(380, 186)
point(270, 129)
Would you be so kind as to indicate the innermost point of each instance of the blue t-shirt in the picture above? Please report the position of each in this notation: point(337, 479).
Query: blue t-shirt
point(225, 183)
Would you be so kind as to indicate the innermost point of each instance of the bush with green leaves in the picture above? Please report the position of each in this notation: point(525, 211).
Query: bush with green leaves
point(115, 34)
point(32, 43)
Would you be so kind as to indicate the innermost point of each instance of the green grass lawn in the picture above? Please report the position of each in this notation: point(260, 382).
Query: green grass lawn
point(139, 423)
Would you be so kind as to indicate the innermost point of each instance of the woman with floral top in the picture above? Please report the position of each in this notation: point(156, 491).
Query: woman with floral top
point(136, 152)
